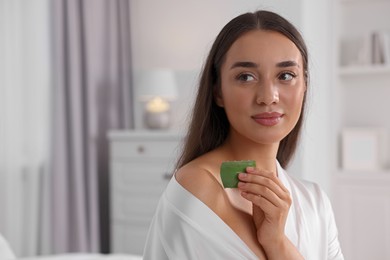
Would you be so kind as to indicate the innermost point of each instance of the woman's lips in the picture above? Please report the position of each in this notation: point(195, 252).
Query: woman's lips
point(268, 118)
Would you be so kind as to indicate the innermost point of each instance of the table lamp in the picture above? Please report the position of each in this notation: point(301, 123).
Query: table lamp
point(157, 91)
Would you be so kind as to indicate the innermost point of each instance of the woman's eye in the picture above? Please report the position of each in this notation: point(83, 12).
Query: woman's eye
point(245, 77)
point(286, 76)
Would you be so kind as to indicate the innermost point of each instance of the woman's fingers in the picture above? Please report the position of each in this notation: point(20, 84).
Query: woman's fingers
point(271, 203)
point(267, 205)
point(261, 186)
point(267, 174)
point(264, 184)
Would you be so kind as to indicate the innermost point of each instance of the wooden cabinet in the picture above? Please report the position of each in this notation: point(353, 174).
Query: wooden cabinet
point(361, 92)
point(141, 164)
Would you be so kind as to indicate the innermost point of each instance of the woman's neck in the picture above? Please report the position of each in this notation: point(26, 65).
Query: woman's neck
point(236, 148)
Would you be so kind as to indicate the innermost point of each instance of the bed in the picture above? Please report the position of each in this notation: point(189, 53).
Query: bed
point(6, 253)
point(84, 256)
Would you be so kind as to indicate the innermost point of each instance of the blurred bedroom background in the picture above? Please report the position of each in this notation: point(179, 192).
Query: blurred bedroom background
point(85, 149)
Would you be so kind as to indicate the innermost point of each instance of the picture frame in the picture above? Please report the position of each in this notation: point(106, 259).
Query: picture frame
point(363, 148)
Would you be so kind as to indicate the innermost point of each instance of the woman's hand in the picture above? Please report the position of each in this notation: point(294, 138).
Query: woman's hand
point(271, 203)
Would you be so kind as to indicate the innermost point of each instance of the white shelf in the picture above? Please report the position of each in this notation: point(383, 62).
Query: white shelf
point(383, 174)
point(360, 90)
point(362, 1)
point(376, 179)
point(364, 70)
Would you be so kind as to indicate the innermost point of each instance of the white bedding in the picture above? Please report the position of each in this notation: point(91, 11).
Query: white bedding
point(7, 254)
point(81, 256)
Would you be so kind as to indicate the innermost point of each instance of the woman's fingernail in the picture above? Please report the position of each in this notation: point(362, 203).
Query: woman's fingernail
point(250, 169)
point(242, 175)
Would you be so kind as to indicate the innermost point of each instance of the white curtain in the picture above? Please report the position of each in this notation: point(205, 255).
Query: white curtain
point(24, 87)
point(64, 81)
point(91, 94)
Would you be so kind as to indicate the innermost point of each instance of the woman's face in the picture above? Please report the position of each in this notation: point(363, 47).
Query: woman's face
point(262, 86)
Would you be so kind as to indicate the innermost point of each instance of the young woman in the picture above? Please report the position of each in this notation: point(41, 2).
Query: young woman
point(249, 106)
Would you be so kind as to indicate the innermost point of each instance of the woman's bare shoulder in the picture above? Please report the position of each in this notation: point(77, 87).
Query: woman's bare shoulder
point(201, 178)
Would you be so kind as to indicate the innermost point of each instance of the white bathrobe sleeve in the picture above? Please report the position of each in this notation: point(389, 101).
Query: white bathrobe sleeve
point(311, 224)
point(334, 248)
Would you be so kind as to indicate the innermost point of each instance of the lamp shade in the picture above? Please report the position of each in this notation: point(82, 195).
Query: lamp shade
point(156, 83)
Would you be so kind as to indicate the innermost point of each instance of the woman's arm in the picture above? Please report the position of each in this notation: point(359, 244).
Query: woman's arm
point(271, 203)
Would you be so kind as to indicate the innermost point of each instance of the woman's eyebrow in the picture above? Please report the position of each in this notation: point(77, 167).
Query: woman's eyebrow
point(288, 63)
point(244, 64)
point(249, 64)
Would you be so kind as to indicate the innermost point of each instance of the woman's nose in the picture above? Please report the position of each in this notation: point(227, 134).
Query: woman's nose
point(267, 94)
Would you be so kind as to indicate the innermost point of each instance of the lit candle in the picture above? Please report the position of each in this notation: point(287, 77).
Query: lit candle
point(157, 105)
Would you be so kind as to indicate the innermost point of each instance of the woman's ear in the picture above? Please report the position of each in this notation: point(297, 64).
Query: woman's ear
point(218, 97)
point(306, 75)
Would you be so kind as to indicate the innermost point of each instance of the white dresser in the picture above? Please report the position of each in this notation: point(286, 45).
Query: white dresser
point(141, 164)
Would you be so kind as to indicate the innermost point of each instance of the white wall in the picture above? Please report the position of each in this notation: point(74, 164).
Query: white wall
point(178, 34)
point(316, 28)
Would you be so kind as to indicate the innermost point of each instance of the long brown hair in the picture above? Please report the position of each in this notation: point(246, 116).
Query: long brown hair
point(209, 125)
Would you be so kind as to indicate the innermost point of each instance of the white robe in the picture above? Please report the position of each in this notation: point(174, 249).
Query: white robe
point(185, 228)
